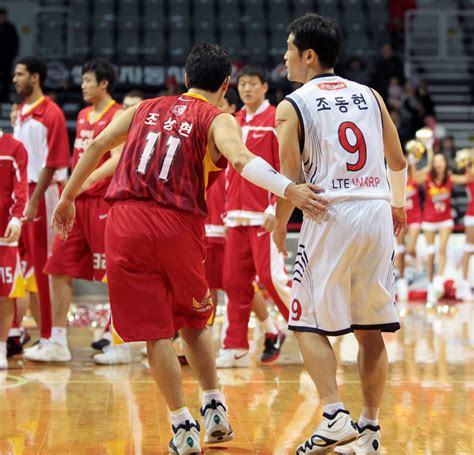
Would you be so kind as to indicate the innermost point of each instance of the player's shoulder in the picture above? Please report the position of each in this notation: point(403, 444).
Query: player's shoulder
point(52, 111)
point(9, 143)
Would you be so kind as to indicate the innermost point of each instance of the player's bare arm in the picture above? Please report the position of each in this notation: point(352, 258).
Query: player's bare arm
point(113, 136)
point(44, 180)
point(225, 136)
point(397, 169)
point(108, 168)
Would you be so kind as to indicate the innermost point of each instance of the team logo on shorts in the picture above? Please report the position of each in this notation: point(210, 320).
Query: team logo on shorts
point(203, 306)
point(179, 110)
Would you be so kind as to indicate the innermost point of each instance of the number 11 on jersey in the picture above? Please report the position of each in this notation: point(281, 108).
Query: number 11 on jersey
point(171, 148)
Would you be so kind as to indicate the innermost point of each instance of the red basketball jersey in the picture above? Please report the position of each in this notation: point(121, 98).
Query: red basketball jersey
point(215, 231)
point(413, 207)
point(86, 132)
point(470, 192)
point(165, 158)
point(438, 201)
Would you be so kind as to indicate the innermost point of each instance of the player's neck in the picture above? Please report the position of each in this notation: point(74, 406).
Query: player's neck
point(312, 73)
point(36, 94)
point(252, 108)
point(213, 98)
point(99, 105)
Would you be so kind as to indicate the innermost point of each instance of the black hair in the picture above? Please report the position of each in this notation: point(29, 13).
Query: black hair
point(232, 97)
point(104, 71)
point(252, 70)
point(3, 11)
point(321, 34)
point(135, 94)
point(207, 67)
point(34, 65)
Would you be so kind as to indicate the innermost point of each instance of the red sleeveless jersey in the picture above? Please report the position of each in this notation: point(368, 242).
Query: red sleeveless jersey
point(413, 207)
point(438, 201)
point(85, 133)
point(165, 158)
point(470, 192)
point(215, 231)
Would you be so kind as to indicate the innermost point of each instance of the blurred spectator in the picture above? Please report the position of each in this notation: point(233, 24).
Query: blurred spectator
point(394, 93)
point(410, 119)
point(385, 68)
point(397, 10)
point(171, 87)
point(355, 71)
point(448, 149)
point(9, 45)
point(425, 99)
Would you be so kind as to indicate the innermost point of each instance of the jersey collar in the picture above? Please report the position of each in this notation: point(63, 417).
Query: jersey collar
point(35, 108)
point(323, 75)
point(261, 108)
point(195, 95)
point(107, 108)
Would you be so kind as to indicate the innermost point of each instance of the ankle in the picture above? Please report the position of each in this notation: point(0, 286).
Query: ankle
point(332, 408)
point(212, 394)
point(180, 415)
point(58, 336)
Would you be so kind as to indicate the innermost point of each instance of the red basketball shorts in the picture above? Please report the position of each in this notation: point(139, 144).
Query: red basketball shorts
point(82, 255)
point(155, 271)
point(214, 264)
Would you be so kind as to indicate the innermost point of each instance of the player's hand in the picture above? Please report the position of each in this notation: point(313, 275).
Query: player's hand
point(307, 198)
point(399, 216)
point(269, 222)
point(12, 233)
point(279, 237)
point(30, 212)
point(63, 217)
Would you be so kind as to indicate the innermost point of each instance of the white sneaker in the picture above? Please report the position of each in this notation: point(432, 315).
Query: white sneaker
point(185, 439)
point(438, 285)
point(3, 360)
point(334, 430)
point(49, 352)
point(41, 342)
point(216, 423)
point(402, 289)
point(463, 291)
point(233, 358)
point(114, 355)
point(432, 296)
point(368, 443)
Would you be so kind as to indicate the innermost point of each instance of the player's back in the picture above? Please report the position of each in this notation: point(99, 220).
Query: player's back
point(165, 157)
point(342, 130)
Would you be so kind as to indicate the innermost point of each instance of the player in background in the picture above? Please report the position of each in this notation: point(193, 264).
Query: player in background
point(116, 354)
point(41, 127)
point(438, 181)
point(82, 255)
point(343, 279)
point(155, 229)
point(250, 215)
point(13, 197)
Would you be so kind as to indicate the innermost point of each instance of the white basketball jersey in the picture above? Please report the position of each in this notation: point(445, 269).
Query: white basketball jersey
point(342, 138)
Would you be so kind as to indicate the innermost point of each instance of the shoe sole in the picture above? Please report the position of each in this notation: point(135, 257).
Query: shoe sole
point(186, 451)
point(46, 361)
point(218, 435)
point(270, 360)
point(331, 448)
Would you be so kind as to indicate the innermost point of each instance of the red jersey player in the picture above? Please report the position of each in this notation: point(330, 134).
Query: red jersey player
point(82, 255)
point(13, 196)
point(155, 229)
point(438, 181)
point(41, 128)
point(250, 250)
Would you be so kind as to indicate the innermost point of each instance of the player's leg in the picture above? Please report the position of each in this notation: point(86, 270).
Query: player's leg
point(444, 234)
point(463, 289)
point(239, 273)
point(6, 318)
point(400, 251)
point(413, 233)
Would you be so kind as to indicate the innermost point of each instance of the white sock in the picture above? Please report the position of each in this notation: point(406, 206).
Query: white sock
point(58, 335)
point(270, 326)
point(3, 347)
point(333, 407)
point(212, 394)
point(364, 421)
point(14, 332)
point(180, 416)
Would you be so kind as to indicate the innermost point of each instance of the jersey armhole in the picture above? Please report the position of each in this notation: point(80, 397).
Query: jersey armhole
point(378, 104)
point(300, 119)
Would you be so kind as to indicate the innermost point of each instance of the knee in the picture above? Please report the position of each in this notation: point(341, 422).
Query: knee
point(370, 339)
point(59, 280)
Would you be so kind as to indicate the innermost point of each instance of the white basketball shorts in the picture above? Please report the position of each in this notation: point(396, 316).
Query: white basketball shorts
point(343, 278)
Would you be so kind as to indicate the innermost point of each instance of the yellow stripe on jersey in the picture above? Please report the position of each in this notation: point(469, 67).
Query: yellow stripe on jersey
point(18, 288)
point(116, 338)
point(208, 167)
point(100, 114)
point(195, 95)
point(36, 103)
point(104, 280)
point(30, 283)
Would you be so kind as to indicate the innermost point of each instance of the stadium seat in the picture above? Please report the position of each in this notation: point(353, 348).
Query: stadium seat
point(128, 42)
point(229, 15)
point(353, 11)
point(330, 9)
point(153, 47)
point(103, 42)
point(204, 31)
point(179, 44)
point(358, 44)
point(203, 10)
point(154, 10)
point(179, 12)
point(377, 11)
point(128, 10)
point(255, 45)
point(80, 47)
point(52, 3)
point(104, 10)
point(277, 45)
point(301, 7)
point(232, 42)
point(279, 14)
point(80, 10)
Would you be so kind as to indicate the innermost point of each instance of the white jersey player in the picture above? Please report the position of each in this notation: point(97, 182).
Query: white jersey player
point(336, 134)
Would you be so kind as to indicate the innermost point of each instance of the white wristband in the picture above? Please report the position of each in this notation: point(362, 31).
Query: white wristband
point(398, 187)
point(260, 173)
point(15, 222)
point(270, 210)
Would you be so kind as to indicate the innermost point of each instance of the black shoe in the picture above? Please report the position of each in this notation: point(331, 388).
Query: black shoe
point(14, 346)
point(273, 344)
point(99, 345)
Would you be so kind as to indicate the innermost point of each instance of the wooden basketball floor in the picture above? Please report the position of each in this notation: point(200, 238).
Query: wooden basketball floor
point(81, 408)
